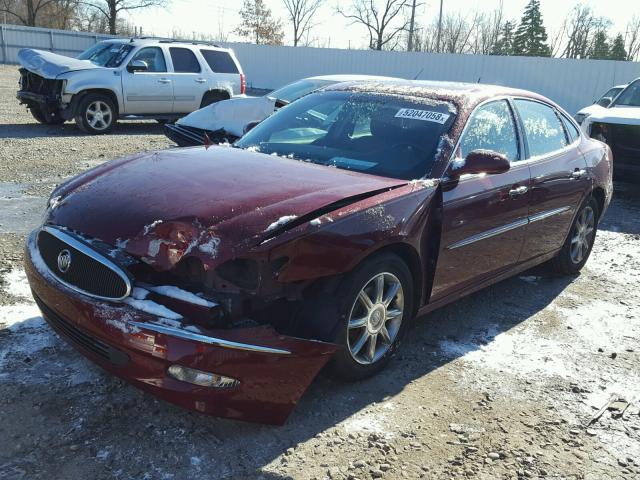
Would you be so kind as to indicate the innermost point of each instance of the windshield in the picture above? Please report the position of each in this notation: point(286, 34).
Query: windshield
point(378, 134)
point(298, 89)
point(630, 96)
point(107, 54)
point(611, 93)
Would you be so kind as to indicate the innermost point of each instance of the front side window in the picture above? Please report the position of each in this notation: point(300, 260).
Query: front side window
point(611, 93)
point(107, 54)
point(184, 60)
point(542, 127)
point(153, 57)
point(491, 127)
point(630, 96)
point(377, 134)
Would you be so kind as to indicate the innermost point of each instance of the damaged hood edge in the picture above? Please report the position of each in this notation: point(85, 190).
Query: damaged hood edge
point(51, 65)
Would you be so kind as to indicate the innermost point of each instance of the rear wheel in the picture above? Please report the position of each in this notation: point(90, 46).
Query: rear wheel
point(376, 305)
point(577, 248)
point(96, 114)
point(212, 97)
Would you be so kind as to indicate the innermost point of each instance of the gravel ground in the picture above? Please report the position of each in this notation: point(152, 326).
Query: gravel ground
point(499, 385)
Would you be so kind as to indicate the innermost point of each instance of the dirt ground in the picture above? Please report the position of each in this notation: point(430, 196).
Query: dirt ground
point(500, 385)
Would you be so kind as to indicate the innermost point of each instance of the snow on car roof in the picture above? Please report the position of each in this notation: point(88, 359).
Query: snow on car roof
point(338, 78)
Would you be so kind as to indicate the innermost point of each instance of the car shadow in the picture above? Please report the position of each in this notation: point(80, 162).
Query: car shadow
point(36, 130)
point(624, 211)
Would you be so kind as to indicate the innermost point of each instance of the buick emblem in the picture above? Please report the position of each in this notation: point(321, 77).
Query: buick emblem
point(64, 261)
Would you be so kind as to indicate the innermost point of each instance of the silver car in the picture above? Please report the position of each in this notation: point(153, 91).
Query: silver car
point(122, 78)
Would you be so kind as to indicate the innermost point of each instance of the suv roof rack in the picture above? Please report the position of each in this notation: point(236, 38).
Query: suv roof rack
point(173, 40)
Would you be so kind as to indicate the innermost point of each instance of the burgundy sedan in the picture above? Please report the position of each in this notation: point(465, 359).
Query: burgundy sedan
point(223, 279)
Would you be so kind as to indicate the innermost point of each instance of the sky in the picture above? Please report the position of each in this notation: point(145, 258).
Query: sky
point(211, 16)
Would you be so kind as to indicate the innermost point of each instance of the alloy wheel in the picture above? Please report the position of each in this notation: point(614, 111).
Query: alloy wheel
point(582, 235)
point(99, 115)
point(375, 318)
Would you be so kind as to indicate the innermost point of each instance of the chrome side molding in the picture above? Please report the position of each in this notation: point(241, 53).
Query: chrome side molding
point(198, 337)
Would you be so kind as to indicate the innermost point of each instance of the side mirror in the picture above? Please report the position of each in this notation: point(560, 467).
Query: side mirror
point(249, 126)
point(604, 102)
point(137, 66)
point(479, 161)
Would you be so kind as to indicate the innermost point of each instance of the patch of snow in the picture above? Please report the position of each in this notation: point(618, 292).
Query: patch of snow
point(424, 182)
point(152, 308)
point(148, 228)
point(167, 322)
point(28, 331)
point(121, 243)
point(369, 421)
point(139, 293)
point(154, 247)
point(195, 461)
point(315, 222)
point(122, 325)
point(102, 454)
point(280, 222)
point(17, 284)
point(530, 279)
point(180, 294)
point(54, 202)
point(458, 163)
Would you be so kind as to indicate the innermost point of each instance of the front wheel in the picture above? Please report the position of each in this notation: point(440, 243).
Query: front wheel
point(96, 114)
point(47, 119)
point(377, 305)
point(577, 248)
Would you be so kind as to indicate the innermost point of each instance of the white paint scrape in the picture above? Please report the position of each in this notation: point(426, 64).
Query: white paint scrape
point(280, 222)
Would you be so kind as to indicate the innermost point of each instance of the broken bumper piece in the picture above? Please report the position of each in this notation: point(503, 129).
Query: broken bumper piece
point(252, 374)
point(185, 136)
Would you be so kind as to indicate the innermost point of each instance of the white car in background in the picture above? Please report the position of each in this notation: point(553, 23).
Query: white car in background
point(605, 100)
point(127, 78)
point(229, 120)
point(618, 125)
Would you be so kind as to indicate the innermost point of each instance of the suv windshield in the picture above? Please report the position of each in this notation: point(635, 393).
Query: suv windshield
point(298, 89)
point(107, 54)
point(383, 135)
point(630, 96)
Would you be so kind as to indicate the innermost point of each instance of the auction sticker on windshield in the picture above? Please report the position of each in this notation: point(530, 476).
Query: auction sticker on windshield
point(424, 115)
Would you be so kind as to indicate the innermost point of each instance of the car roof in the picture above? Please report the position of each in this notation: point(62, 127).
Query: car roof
point(151, 40)
point(460, 93)
point(339, 78)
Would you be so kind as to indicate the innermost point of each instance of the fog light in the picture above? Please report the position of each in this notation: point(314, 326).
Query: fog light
point(198, 377)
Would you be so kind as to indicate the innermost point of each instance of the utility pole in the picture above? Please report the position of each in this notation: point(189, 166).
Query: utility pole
point(412, 26)
point(439, 28)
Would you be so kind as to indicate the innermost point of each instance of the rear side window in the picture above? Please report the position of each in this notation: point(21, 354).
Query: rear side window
point(220, 62)
point(572, 131)
point(491, 127)
point(542, 127)
point(184, 60)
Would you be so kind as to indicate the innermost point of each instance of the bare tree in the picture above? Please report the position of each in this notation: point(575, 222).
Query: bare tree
point(632, 38)
point(111, 9)
point(27, 12)
point(301, 13)
point(383, 20)
point(487, 31)
point(576, 36)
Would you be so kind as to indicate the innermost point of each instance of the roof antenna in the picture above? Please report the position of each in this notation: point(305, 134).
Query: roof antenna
point(479, 78)
point(418, 74)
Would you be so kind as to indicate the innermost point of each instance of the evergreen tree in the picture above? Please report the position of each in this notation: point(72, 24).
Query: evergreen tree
point(504, 44)
point(600, 48)
point(618, 51)
point(531, 37)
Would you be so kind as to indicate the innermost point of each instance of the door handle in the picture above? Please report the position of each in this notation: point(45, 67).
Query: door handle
point(578, 173)
point(518, 191)
point(201, 80)
point(164, 80)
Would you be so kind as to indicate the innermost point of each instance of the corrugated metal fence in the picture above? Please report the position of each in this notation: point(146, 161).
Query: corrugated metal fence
point(571, 83)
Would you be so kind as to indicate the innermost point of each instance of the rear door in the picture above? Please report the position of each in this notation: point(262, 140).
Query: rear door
point(189, 80)
point(559, 176)
point(224, 73)
point(483, 215)
point(150, 91)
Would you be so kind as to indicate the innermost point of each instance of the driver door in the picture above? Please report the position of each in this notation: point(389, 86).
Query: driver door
point(150, 91)
point(484, 216)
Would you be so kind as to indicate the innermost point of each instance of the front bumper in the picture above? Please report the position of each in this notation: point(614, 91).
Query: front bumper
point(273, 370)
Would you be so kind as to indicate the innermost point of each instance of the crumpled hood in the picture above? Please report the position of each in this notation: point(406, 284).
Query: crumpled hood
point(213, 203)
point(620, 115)
point(233, 114)
point(50, 65)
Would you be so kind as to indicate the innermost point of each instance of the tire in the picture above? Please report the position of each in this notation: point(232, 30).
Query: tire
point(87, 117)
point(212, 97)
point(44, 118)
point(579, 243)
point(356, 323)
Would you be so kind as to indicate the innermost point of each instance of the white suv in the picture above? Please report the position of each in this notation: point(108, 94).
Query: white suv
point(121, 78)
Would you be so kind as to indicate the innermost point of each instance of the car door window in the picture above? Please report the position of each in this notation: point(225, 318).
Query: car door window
point(220, 62)
point(153, 57)
point(542, 127)
point(491, 127)
point(572, 131)
point(184, 60)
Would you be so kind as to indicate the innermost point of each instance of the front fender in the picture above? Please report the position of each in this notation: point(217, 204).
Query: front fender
point(96, 79)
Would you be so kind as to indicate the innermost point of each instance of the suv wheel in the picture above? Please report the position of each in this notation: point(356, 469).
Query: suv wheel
point(47, 119)
point(96, 114)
